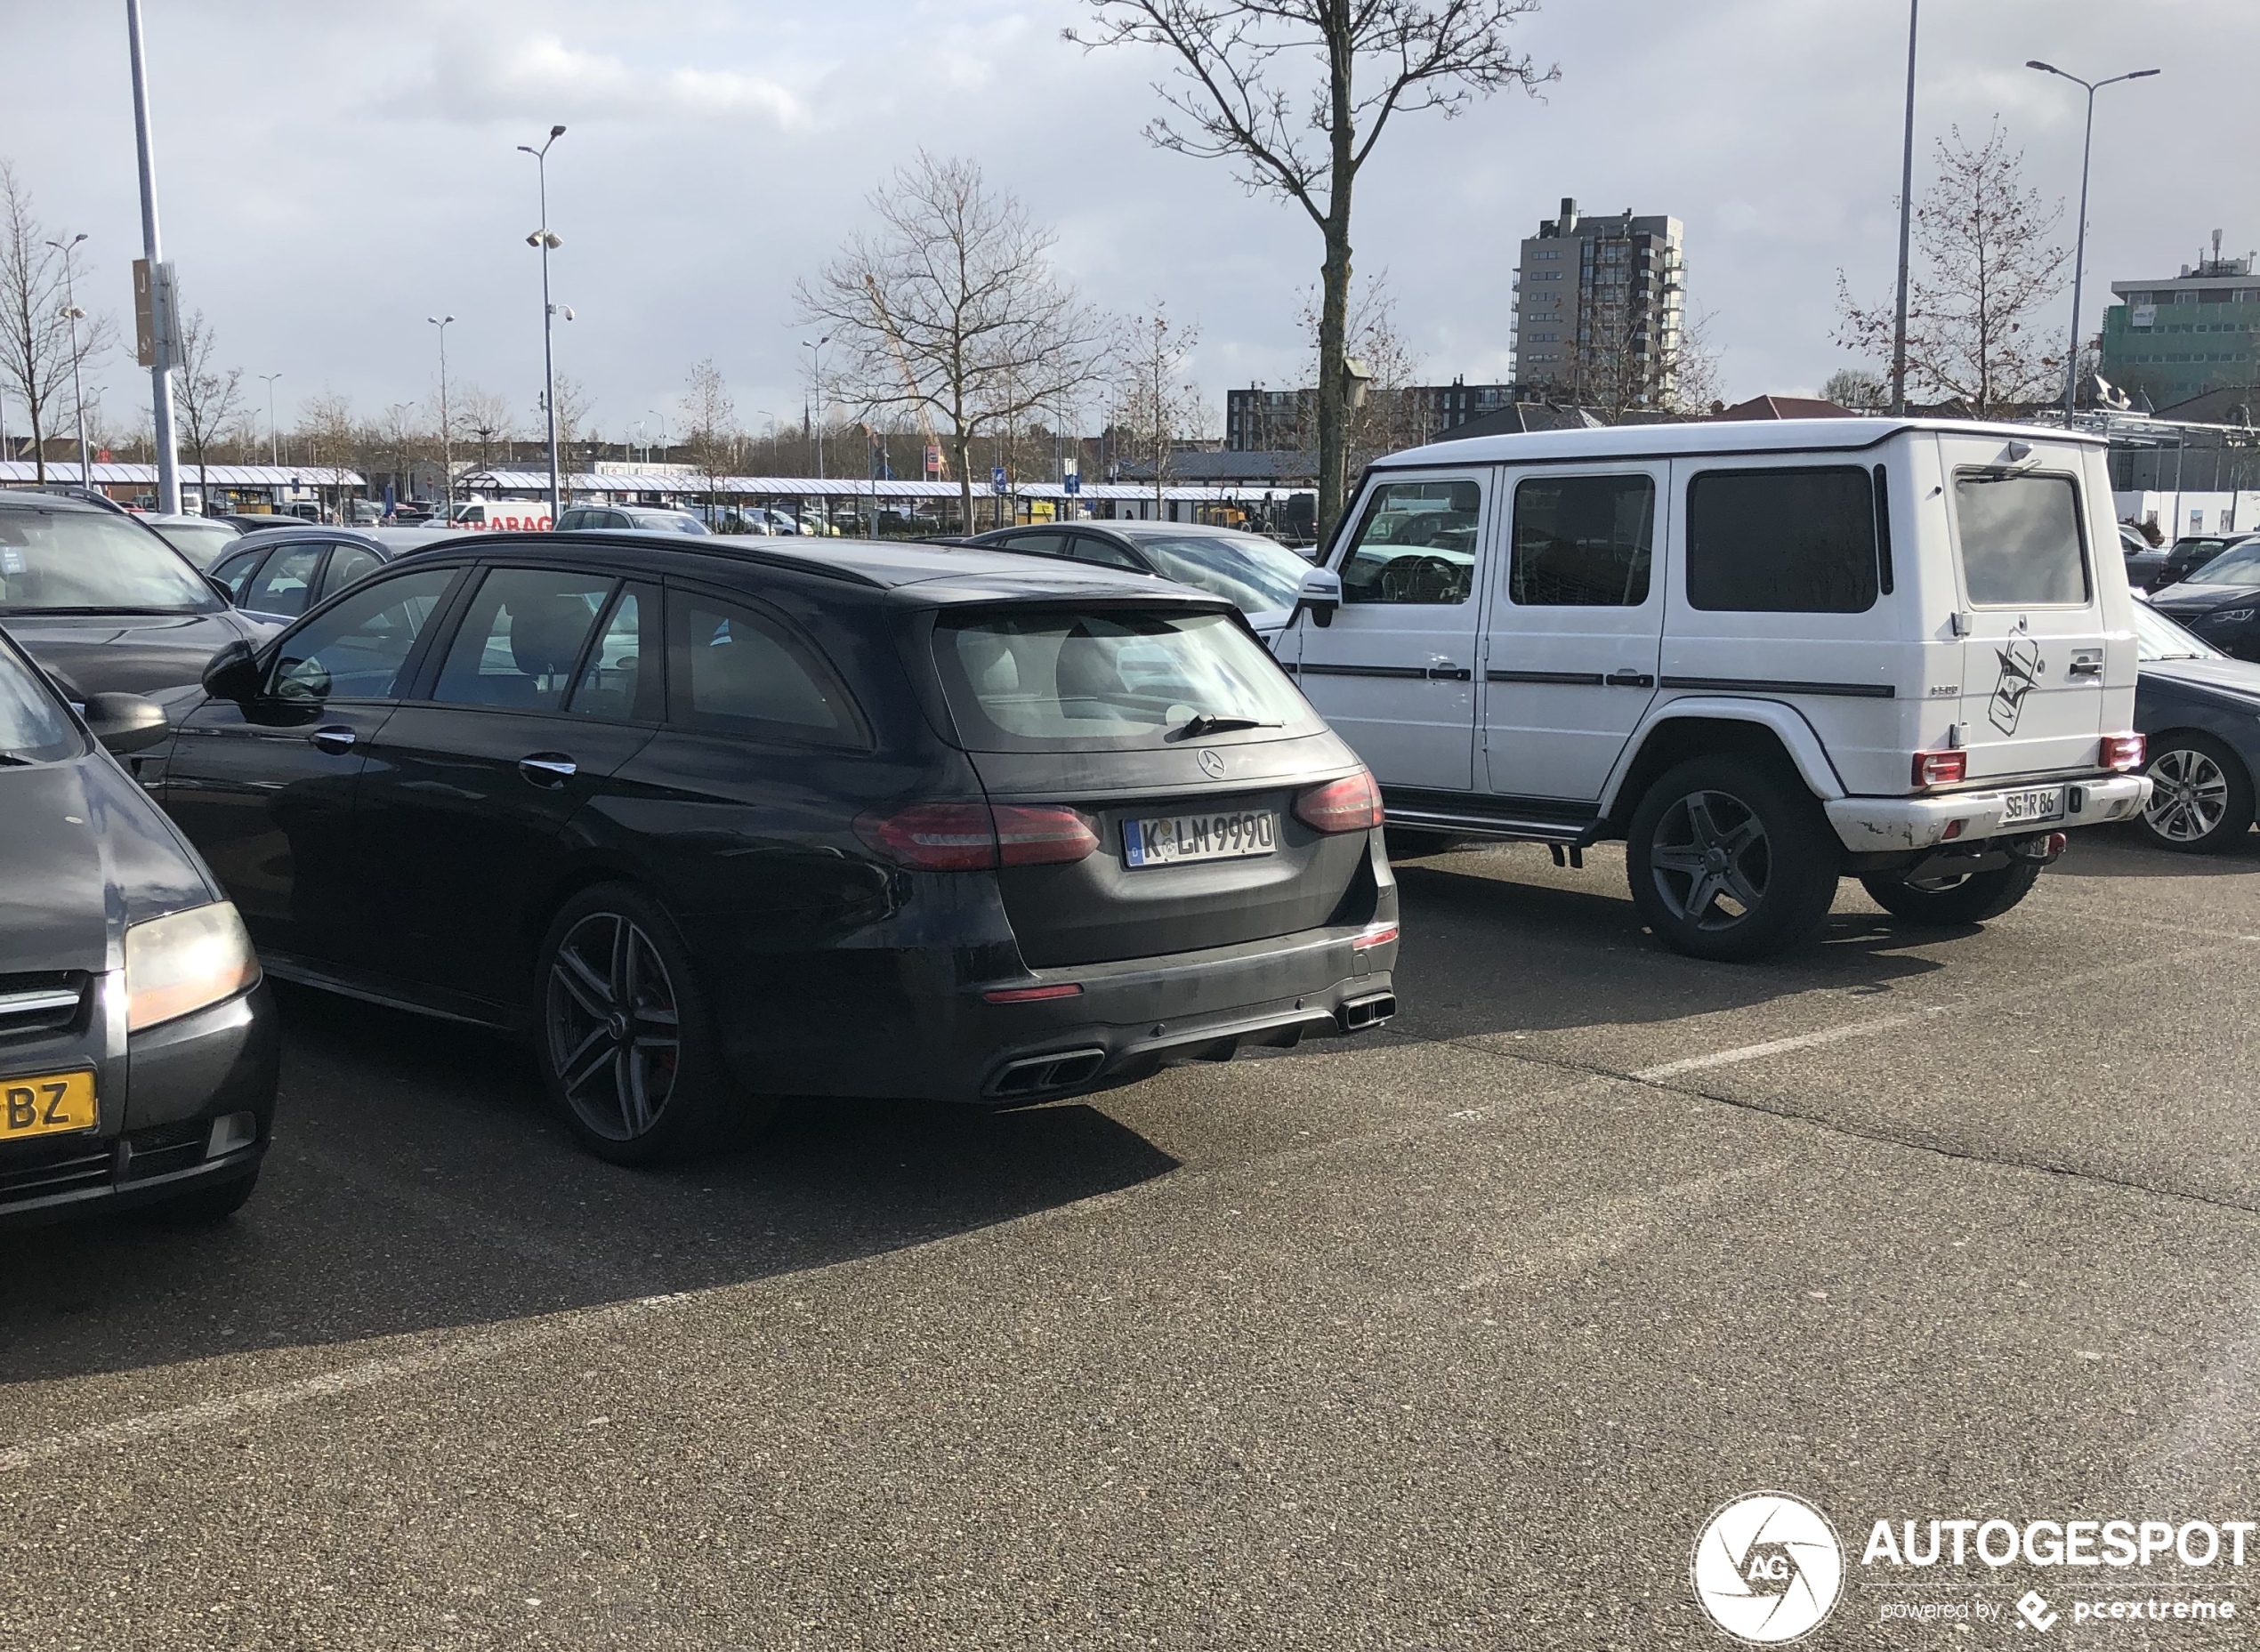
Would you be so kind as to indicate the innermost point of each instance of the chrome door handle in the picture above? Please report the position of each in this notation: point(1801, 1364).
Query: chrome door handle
point(336, 740)
point(548, 769)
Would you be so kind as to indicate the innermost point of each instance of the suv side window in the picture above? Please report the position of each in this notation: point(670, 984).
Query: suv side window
point(285, 583)
point(1787, 541)
point(522, 637)
point(355, 651)
point(622, 678)
point(1414, 543)
point(348, 563)
point(1090, 548)
point(736, 672)
point(1582, 542)
point(234, 572)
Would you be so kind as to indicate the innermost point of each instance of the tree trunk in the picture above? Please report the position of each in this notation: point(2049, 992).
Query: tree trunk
point(38, 444)
point(1333, 274)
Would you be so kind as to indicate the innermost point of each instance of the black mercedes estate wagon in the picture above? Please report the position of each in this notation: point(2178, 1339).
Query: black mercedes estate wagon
point(714, 822)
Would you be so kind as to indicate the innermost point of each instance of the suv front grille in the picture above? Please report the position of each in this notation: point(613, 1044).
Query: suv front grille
point(36, 1006)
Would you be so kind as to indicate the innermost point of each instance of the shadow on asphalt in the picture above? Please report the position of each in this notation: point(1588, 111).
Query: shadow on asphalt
point(2124, 852)
point(418, 1180)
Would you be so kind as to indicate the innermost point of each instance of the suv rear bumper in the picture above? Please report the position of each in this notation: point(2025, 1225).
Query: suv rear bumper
point(1895, 824)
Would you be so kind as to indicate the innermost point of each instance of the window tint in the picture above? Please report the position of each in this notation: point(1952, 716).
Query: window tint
point(1583, 541)
point(2020, 538)
point(520, 638)
point(737, 673)
point(284, 584)
point(1781, 541)
point(236, 572)
point(614, 682)
point(348, 563)
point(1041, 544)
point(1103, 552)
point(1415, 542)
point(356, 650)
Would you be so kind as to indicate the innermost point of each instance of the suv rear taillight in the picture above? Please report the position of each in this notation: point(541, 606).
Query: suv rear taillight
point(974, 837)
point(1941, 768)
point(2123, 752)
point(1350, 804)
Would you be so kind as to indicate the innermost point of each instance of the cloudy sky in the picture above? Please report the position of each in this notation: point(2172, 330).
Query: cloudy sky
point(331, 173)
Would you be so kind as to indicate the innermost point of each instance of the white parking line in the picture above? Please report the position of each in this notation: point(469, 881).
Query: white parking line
point(1780, 1046)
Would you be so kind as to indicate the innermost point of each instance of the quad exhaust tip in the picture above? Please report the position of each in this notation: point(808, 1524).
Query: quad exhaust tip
point(1041, 1075)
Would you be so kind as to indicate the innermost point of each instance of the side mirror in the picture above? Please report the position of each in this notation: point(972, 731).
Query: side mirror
point(126, 722)
point(221, 590)
point(1319, 595)
point(232, 674)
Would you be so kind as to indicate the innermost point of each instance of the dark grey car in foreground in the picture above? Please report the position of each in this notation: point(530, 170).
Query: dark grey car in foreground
point(2200, 712)
point(137, 1046)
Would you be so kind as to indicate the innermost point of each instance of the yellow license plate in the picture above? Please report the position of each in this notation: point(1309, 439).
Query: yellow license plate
point(47, 1104)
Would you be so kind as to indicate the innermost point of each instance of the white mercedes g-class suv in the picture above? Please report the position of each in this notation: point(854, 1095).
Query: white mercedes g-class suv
point(1766, 656)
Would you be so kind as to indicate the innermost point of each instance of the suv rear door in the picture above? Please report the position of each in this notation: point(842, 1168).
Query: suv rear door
point(2024, 538)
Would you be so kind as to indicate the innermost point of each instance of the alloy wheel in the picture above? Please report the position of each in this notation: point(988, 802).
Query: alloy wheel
point(2189, 795)
point(1711, 859)
point(614, 1037)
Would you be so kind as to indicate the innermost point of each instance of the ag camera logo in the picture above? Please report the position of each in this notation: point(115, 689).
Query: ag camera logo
point(1768, 1568)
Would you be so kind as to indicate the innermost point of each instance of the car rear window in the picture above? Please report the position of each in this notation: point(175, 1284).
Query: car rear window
point(1048, 680)
point(82, 561)
point(1782, 540)
point(2021, 542)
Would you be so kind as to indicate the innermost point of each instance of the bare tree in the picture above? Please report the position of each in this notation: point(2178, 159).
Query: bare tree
point(1985, 264)
point(1861, 388)
point(207, 399)
point(1364, 62)
point(1153, 405)
point(952, 312)
point(710, 428)
point(1391, 414)
point(40, 352)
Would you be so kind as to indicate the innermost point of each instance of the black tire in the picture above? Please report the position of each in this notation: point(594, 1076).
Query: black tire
point(1952, 902)
point(201, 1206)
point(1409, 844)
point(2201, 799)
point(1729, 859)
point(626, 1038)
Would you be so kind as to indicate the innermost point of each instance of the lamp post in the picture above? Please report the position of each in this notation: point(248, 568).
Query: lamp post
point(548, 242)
point(274, 444)
point(816, 357)
point(662, 417)
point(447, 447)
point(168, 461)
point(2079, 254)
point(1905, 219)
point(74, 314)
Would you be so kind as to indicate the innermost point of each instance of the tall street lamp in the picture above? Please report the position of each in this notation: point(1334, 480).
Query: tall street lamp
point(169, 461)
point(74, 314)
point(274, 444)
point(548, 242)
point(2079, 255)
point(447, 447)
point(816, 356)
point(662, 417)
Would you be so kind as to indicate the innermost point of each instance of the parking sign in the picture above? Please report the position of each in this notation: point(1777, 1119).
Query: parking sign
point(996, 478)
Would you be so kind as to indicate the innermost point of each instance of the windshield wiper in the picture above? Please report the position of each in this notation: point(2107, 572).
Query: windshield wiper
point(1205, 723)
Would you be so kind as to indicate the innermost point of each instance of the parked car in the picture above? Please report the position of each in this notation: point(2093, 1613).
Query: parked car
point(278, 574)
point(1254, 572)
point(2200, 711)
point(103, 603)
point(2189, 555)
point(2220, 601)
point(893, 822)
point(138, 1050)
point(582, 519)
point(1765, 657)
point(254, 521)
point(2144, 561)
point(199, 538)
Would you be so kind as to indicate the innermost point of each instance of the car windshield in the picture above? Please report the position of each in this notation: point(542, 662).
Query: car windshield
point(202, 543)
point(1255, 576)
point(34, 728)
point(2158, 638)
point(2239, 568)
point(1051, 681)
point(82, 563)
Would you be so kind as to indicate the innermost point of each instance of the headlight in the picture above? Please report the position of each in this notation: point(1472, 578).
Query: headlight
point(185, 961)
point(2234, 616)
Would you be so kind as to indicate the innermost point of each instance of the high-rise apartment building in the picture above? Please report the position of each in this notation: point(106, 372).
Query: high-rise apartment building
point(2172, 340)
point(1258, 420)
point(1598, 313)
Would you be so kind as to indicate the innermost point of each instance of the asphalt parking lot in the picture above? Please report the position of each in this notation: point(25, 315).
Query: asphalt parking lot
point(1448, 1336)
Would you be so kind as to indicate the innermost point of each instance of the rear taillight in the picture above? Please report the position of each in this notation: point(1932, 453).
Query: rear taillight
point(1350, 804)
point(1033, 994)
point(972, 837)
point(1374, 935)
point(1941, 768)
point(2123, 752)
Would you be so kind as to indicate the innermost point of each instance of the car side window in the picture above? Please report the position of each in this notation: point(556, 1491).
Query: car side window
point(1582, 542)
point(1043, 543)
point(735, 671)
point(234, 572)
point(520, 638)
point(622, 677)
point(1414, 543)
point(1782, 540)
point(347, 564)
point(355, 651)
point(1089, 548)
point(571, 519)
point(286, 582)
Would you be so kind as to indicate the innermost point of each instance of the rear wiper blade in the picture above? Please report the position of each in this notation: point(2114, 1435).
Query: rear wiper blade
point(1204, 723)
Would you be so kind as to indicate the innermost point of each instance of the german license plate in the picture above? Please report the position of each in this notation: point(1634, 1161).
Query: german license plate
point(47, 1104)
point(1173, 840)
point(2045, 802)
